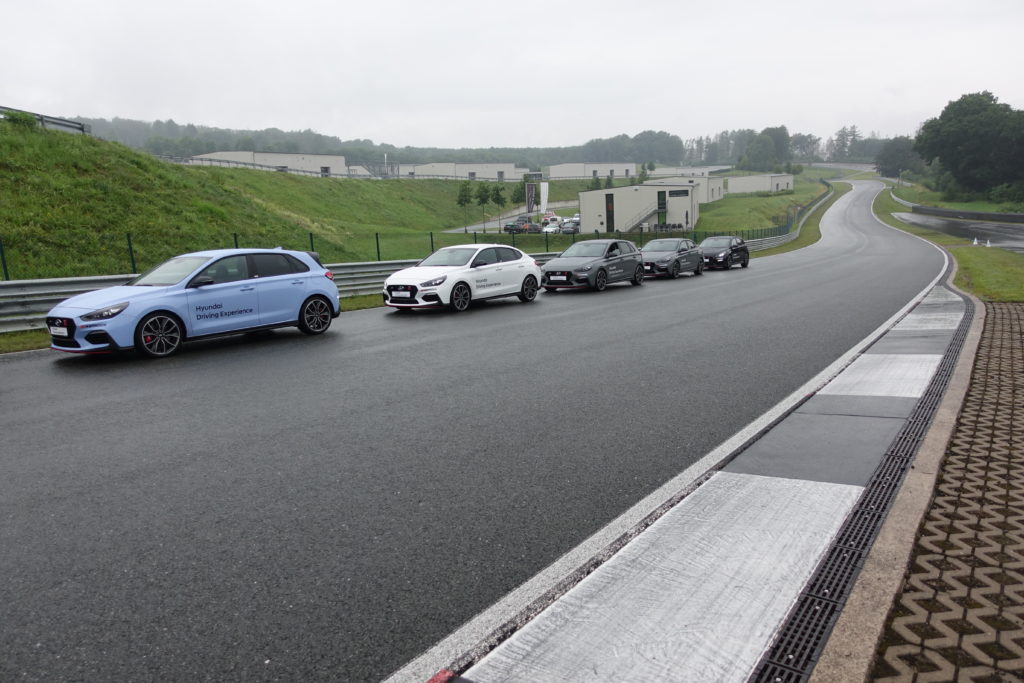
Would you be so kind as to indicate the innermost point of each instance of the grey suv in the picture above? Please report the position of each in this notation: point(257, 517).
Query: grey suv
point(594, 264)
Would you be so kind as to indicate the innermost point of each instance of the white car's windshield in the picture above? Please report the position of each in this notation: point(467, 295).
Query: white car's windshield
point(170, 272)
point(449, 257)
point(662, 245)
point(585, 249)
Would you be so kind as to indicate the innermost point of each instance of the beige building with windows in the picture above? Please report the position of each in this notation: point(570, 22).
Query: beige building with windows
point(743, 184)
point(324, 164)
point(627, 208)
point(588, 170)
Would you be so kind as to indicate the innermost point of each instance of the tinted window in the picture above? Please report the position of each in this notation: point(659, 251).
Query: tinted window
point(627, 247)
point(486, 257)
point(269, 265)
point(230, 269)
point(509, 254)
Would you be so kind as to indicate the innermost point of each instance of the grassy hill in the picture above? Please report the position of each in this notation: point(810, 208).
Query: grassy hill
point(68, 202)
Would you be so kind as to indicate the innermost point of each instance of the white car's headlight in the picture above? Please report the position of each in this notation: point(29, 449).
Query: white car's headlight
point(435, 282)
point(106, 313)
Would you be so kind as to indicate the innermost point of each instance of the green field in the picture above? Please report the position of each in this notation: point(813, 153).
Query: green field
point(919, 194)
point(748, 212)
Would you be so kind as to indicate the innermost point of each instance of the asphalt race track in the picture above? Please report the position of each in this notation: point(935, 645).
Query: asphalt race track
point(279, 506)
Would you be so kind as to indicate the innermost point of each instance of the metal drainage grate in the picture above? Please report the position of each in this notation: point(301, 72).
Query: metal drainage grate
point(803, 636)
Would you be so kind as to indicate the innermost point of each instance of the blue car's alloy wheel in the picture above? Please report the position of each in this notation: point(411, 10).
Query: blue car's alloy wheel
point(158, 335)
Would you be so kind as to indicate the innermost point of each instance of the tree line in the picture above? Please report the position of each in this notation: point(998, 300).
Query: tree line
point(973, 150)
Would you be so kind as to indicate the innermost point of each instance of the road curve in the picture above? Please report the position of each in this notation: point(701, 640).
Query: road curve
point(279, 506)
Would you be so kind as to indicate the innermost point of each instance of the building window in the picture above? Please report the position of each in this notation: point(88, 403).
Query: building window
point(472, 175)
point(501, 176)
point(627, 172)
point(611, 172)
point(594, 173)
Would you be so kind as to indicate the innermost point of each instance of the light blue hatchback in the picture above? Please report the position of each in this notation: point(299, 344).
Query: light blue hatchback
point(199, 295)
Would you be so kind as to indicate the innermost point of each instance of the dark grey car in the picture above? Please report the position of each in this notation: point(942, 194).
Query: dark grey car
point(594, 264)
point(670, 256)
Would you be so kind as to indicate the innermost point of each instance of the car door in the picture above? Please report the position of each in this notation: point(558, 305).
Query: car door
point(485, 274)
point(613, 262)
point(512, 269)
point(222, 297)
point(630, 259)
point(690, 258)
point(281, 282)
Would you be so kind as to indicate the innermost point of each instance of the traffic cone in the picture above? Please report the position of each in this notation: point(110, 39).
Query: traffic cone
point(988, 243)
point(975, 241)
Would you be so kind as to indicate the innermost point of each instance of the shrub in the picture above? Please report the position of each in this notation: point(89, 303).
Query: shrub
point(21, 119)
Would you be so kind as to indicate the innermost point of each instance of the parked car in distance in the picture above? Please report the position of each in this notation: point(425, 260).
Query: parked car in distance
point(672, 256)
point(199, 295)
point(534, 228)
point(569, 228)
point(515, 228)
point(551, 228)
point(595, 264)
point(456, 276)
point(725, 252)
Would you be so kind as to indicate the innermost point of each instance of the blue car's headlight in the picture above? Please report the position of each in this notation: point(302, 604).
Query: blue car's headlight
point(435, 282)
point(106, 313)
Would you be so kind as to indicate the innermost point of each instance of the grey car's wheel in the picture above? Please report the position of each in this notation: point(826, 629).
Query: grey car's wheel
point(673, 270)
point(315, 315)
point(528, 292)
point(699, 270)
point(638, 276)
point(746, 261)
point(158, 335)
point(600, 281)
point(461, 296)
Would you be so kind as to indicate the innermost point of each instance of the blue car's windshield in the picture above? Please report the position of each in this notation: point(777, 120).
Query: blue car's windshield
point(585, 249)
point(662, 245)
point(170, 272)
point(449, 257)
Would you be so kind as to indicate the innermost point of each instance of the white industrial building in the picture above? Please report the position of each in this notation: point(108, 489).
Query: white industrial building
point(701, 171)
point(707, 188)
point(499, 172)
point(324, 164)
point(589, 170)
point(627, 208)
point(775, 182)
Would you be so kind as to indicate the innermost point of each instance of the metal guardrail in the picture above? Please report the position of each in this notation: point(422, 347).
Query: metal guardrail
point(52, 122)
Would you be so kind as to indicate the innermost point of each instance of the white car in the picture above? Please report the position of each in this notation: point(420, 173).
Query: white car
point(551, 227)
point(457, 276)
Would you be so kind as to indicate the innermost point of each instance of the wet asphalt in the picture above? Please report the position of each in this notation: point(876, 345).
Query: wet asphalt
point(278, 506)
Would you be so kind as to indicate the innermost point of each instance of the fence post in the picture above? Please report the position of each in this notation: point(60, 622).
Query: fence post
point(3, 261)
point(431, 242)
point(131, 252)
point(546, 249)
point(474, 237)
point(311, 247)
point(376, 237)
point(513, 239)
point(235, 236)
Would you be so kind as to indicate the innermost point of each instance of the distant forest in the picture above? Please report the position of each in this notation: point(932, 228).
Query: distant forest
point(745, 148)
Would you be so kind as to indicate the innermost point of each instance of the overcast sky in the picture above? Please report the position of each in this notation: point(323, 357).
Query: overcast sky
point(553, 73)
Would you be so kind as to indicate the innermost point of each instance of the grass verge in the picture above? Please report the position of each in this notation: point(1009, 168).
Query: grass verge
point(811, 230)
point(991, 274)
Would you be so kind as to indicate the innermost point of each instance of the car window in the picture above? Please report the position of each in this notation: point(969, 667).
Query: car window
point(486, 257)
point(613, 249)
point(228, 269)
point(268, 265)
point(509, 254)
point(627, 247)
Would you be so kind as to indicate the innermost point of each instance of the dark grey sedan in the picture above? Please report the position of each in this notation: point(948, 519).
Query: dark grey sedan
point(672, 256)
point(594, 264)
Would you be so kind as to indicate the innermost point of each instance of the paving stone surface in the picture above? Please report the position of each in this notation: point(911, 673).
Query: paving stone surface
point(960, 613)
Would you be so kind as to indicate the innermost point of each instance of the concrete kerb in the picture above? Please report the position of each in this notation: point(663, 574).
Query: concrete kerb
point(850, 651)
